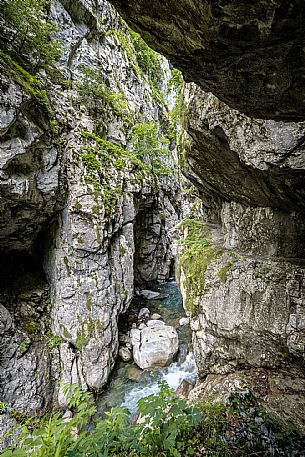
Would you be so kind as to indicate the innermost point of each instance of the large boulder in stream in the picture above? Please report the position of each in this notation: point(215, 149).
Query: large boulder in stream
point(154, 346)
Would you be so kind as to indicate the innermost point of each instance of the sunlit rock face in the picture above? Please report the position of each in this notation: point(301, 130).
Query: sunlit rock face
point(251, 56)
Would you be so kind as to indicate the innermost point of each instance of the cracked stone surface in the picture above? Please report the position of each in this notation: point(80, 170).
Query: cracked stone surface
point(155, 345)
point(249, 56)
point(250, 312)
point(88, 239)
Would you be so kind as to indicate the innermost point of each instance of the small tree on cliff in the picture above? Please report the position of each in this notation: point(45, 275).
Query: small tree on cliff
point(27, 33)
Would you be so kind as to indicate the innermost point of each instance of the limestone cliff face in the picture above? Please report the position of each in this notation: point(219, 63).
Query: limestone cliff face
point(248, 310)
point(241, 269)
point(249, 56)
point(83, 219)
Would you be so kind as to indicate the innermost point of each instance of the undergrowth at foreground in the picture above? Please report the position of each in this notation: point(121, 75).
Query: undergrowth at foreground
point(170, 427)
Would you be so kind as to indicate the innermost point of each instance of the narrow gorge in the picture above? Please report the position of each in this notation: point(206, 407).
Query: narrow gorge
point(119, 173)
point(84, 218)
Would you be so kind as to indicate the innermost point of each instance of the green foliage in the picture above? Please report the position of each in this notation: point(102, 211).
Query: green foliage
point(148, 60)
point(142, 58)
point(3, 407)
point(111, 154)
point(103, 155)
point(20, 417)
point(168, 425)
point(147, 143)
point(214, 419)
point(54, 340)
point(167, 430)
point(28, 34)
point(109, 438)
point(29, 82)
point(97, 95)
point(175, 82)
point(56, 437)
point(223, 271)
point(197, 255)
point(25, 345)
point(31, 327)
point(262, 273)
point(126, 43)
point(98, 158)
point(175, 115)
point(90, 161)
point(86, 332)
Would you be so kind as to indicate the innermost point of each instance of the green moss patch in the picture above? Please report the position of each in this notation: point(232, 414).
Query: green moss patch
point(29, 82)
point(223, 271)
point(197, 255)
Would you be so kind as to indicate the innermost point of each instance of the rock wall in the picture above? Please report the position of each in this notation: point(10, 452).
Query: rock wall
point(241, 268)
point(250, 57)
point(248, 305)
point(82, 216)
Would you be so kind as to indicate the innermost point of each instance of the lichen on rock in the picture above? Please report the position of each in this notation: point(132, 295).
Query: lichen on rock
point(78, 196)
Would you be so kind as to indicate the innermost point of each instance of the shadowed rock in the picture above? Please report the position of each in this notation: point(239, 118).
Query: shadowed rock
point(250, 56)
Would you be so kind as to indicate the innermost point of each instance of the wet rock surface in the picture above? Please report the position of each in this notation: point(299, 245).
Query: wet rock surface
point(249, 430)
point(279, 392)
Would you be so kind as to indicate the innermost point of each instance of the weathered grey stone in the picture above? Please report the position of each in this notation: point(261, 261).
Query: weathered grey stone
point(133, 373)
point(237, 158)
point(93, 250)
point(49, 206)
point(281, 393)
point(29, 167)
point(184, 389)
point(154, 347)
point(143, 313)
point(248, 314)
point(7, 424)
point(26, 362)
point(149, 294)
point(250, 57)
point(125, 354)
point(251, 174)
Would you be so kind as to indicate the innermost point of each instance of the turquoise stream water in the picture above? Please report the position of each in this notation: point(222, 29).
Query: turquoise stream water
point(128, 383)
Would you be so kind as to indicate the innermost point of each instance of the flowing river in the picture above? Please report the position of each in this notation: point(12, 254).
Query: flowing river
point(129, 383)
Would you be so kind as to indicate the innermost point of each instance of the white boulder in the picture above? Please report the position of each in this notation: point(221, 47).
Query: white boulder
point(154, 346)
point(143, 313)
point(149, 294)
point(184, 321)
point(153, 323)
